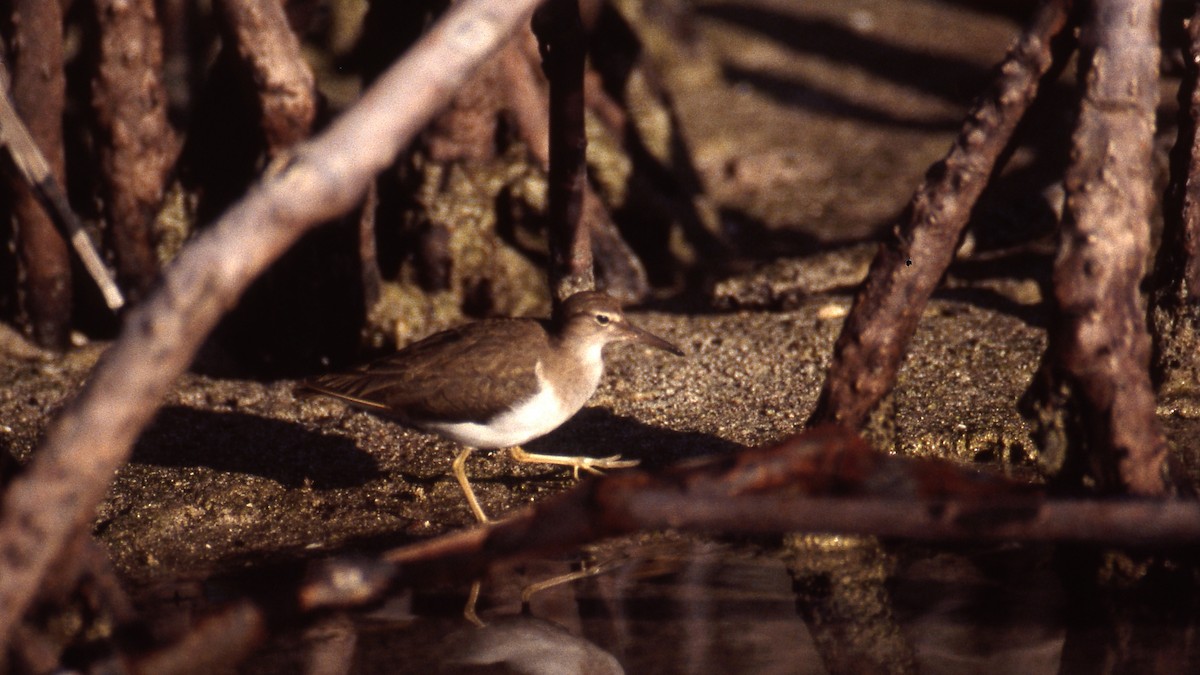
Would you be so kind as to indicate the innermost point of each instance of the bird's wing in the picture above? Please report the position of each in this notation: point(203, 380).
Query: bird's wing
point(463, 373)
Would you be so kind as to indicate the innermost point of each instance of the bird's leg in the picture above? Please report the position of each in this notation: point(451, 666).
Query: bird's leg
point(460, 474)
point(583, 572)
point(469, 610)
point(589, 464)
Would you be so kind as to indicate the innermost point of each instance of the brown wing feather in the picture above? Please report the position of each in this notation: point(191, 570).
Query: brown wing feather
point(427, 381)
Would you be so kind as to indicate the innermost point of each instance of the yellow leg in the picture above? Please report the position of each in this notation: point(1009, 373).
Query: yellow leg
point(460, 474)
point(589, 464)
point(469, 610)
point(582, 573)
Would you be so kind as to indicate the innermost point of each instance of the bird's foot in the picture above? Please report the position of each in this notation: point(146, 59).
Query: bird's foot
point(592, 465)
point(597, 465)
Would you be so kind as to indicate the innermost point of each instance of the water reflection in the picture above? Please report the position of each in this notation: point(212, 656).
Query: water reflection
point(524, 644)
point(675, 604)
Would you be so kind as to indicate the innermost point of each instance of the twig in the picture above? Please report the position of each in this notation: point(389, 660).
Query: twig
point(92, 436)
point(908, 267)
point(562, 41)
point(825, 480)
point(847, 489)
point(1017, 519)
point(34, 168)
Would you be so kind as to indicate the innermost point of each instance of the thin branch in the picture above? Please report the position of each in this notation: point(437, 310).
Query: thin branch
point(562, 43)
point(1015, 519)
point(92, 436)
point(909, 266)
point(35, 170)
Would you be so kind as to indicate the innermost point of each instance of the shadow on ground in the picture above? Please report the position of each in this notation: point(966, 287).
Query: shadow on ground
point(599, 432)
point(237, 442)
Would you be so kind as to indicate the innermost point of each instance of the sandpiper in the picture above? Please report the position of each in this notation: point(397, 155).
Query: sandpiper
point(497, 383)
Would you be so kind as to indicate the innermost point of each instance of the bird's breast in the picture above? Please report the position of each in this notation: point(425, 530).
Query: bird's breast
point(535, 416)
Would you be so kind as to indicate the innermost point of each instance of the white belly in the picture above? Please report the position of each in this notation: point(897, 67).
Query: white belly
point(535, 416)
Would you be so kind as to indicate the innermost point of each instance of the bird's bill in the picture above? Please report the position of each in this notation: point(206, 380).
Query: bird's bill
point(649, 339)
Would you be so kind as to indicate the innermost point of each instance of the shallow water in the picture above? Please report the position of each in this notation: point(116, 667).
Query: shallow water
point(674, 604)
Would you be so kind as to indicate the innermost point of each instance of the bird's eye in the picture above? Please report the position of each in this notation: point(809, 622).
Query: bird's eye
point(603, 319)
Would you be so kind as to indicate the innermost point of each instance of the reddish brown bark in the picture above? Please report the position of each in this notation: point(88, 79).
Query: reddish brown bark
point(909, 266)
point(1099, 345)
point(825, 480)
point(139, 146)
point(285, 83)
point(39, 94)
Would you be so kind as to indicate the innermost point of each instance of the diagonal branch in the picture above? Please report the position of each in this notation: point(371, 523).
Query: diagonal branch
point(35, 170)
point(909, 266)
point(93, 435)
